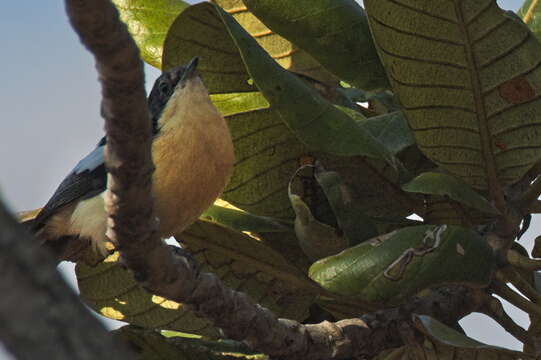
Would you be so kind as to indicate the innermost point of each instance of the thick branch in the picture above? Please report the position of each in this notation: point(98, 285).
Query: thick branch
point(40, 315)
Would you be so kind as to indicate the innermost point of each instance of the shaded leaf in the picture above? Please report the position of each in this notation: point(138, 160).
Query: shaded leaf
point(240, 261)
point(335, 32)
point(286, 53)
point(441, 334)
point(245, 264)
point(316, 122)
point(390, 268)
point(148, 23)
point(391, 130)
point(443, 210)
point(151, 345)
point(433, 183)
point(243, 221)
point(355, 225)
point(317, 239)
point(468, 77)
point(110, 290)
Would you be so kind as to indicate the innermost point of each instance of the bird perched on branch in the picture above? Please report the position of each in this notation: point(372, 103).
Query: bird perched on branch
point(192, 153)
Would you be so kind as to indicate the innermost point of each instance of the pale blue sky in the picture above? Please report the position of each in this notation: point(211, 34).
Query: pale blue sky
point(49, 101)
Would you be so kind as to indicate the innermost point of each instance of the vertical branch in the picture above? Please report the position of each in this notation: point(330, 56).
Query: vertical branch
point(40, 315)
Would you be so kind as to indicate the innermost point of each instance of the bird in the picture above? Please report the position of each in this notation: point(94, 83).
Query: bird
point(193, 155)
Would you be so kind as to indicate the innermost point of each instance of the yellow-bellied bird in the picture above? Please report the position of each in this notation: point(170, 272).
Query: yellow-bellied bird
point(192, 153)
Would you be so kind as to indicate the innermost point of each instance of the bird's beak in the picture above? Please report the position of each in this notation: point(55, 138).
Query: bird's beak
point(189, 73)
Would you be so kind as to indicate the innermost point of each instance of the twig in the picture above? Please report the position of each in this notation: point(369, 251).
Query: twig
point(516, 299)
point(39, 312)
point(509, 274)
point(531, 11)
point(529, 198)
point(523, 262)
point(494, 308)
point(535, 207)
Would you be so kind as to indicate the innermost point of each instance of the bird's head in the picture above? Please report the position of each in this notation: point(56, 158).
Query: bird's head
point(175, 91)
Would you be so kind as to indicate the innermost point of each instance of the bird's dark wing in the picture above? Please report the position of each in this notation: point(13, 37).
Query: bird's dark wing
point(86, 180)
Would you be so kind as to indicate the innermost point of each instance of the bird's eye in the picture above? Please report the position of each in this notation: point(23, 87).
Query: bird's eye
point(165, 88)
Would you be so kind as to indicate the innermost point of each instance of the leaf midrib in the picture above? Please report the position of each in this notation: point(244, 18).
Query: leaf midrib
point(487, 152)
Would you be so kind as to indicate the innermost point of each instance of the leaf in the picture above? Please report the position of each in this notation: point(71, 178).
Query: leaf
point(375, 184)
point(285, 52)
point(243, 221)
point(110, 290)
point(317, 239)
point(532, 16)
point(446, 185)
point(392, 267)
point(148, 23)
point(240, 261)
point(467, 76)
point(316, 122)
point(335, 32)
point(356, 226)
point(391, 130)
point(151, 345)
point(441, 334)
point(245, 264)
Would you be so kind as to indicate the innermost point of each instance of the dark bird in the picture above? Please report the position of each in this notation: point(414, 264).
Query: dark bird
point(192, 153)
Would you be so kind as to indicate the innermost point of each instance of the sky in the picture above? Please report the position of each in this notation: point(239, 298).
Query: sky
point(49, 101)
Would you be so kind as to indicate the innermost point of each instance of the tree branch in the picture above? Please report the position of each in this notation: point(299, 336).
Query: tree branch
point(40, 315)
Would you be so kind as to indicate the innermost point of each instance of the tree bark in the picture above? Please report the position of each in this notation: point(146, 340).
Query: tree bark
point(40, 316)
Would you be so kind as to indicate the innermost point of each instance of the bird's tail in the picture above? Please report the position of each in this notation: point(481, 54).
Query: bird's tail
point(26, 218)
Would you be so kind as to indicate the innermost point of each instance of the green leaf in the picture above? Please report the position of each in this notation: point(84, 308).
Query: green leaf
point(239, 260)
point(243, 263)
point(148, 23)
point(285, 52)
point(444, 335)
point(151, 345)
point(534, 16)
point(446, 185)
point(316, 122)
point(317, 239)
point(335, 32)
point(110, 290)
point(243, 221)
point(468, 78)
point(355, 225)
point(390, 268)
point(391, 130)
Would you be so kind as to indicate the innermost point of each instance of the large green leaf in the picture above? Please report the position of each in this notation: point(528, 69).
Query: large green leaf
point(148, 22)
point(315, 121)
point(285, 52)
point(335, 32)
point(442, 184)
point(390, 268)
point(200, 32)
point(533, 14)
point(242, 263)
point(110, 290)
point(246, 264)
point(468, 77)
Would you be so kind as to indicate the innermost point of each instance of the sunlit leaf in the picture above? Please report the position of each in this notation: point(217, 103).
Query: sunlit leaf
point(148, 22)
point(239, 260)
point(243, 221)
point(335, 32)
point(392, 267)
point(532, 15)
point(468, 77)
